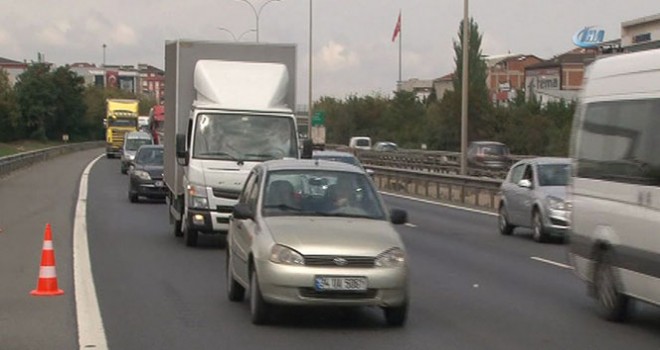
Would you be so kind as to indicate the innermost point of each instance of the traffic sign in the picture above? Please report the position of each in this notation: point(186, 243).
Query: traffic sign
point(318, 118)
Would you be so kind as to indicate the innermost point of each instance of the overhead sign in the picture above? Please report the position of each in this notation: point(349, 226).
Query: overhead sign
point(589, 37)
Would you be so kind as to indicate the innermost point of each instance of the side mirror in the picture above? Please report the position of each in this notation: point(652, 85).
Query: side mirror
point(398, 216)
point(307, 149)
point(524, 183)
point(370, 172)
point(181, 151)
point(242, 212)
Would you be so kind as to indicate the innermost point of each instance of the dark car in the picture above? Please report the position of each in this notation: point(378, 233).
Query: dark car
point(488, 155)
point(146, 174)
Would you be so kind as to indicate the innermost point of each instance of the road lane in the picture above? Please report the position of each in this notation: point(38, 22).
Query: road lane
point(471, 288)
point(29, 198)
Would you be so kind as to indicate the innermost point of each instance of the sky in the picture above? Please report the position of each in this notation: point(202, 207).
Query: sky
point(353, 52)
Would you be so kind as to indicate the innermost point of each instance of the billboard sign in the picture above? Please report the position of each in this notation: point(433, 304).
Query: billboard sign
point(589, 37)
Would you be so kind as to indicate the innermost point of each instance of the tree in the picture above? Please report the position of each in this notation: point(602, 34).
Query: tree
point(479, 106)
point(69, 112)
point(36, 96)
point(8, 110)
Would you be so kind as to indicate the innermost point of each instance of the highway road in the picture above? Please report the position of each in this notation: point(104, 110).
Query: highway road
point(471, 287)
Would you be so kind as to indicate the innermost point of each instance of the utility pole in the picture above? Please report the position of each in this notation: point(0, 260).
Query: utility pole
point(464, 90)
point(310, 101)
point(104, 46)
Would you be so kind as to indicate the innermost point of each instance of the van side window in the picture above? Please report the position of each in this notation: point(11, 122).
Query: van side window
point(618, 141)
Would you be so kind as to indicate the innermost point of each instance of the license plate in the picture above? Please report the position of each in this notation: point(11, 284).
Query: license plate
point(322, 283)
point(158, 184)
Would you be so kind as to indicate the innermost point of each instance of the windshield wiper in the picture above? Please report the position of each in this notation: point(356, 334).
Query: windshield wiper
point(220, 153)
point(282, 207)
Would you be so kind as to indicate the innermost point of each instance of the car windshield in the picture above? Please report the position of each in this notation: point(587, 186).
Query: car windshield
point(134, 144)
point(320, 193)
point(149, 156)
point(344, 159)
point(244, 137)
point(494, 150)
point(554, 174)
point(123, 122)
point(362, 142)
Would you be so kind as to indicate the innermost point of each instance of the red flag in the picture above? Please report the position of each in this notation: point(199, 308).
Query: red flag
point(111, 78)
point(397, 29)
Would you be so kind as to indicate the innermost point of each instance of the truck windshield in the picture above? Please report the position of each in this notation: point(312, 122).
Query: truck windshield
point(123, 122)
point(244, 137)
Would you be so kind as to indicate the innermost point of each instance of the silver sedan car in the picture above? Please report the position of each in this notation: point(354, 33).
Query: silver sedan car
point(533, 195)
point(315, 232)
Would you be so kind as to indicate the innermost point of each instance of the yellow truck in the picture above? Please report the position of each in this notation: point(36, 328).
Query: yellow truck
point(121, 118)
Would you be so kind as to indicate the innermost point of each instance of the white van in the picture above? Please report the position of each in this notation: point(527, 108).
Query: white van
point(360, 142)
point(615, 190)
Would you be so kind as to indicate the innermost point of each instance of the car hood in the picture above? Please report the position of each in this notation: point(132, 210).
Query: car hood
point(333, 235)
point(553, 191)
point(155, 171)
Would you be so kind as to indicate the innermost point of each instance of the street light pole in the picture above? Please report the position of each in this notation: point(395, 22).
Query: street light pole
point(232, 33)
point(464, 90)
point(310, 101)
point(257, 13)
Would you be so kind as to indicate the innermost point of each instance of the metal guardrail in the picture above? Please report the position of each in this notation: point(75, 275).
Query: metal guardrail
point(14, 162)
point(467, 191)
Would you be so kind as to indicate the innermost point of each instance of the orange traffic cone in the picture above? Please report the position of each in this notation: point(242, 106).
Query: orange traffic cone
point(47, 284)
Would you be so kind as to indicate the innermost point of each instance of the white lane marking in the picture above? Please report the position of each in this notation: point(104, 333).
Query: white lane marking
point(410, 225)
point(91, 333)
point(440, 204)
point(551, 262)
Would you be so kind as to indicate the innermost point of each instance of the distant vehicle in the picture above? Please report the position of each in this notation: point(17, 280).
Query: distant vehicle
point(385, 146)
point(143, 121)
point(615, 190)
point(133, 141)
point(360, 142)
point(488, 155)
point(343, 157)
point(228, 107)
point(533, 195)
point(146, 175)
point(121, 118)
point(315, 233)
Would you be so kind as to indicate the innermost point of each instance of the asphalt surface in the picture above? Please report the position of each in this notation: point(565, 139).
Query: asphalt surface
point(471, 288)
point(29, 199)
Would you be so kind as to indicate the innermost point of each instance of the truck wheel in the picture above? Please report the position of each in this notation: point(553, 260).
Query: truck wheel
point(190, 236)
point(612, 304)
point(109, 155)
point(177, 228)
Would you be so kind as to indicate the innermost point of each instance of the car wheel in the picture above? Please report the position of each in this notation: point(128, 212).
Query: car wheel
point(505, 227)
point(258, 306)
point(133, 197)
point(235, 291)
point(396, 316)
point(612, 304)
point(537, 226)
point(190, 236)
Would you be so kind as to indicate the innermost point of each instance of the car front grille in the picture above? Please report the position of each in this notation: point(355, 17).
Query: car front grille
point(339, 261)
point(225, 193)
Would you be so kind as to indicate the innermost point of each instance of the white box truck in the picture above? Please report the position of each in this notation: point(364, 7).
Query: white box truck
point(228, 106)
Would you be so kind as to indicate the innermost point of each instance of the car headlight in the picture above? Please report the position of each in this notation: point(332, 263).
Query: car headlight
point(197, 197)
point(556, 203)
point(280, 254)
point(394, 257)
point(142, 174)
point(130, 156)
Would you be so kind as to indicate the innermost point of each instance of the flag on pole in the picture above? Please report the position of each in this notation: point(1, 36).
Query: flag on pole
point(397, 28)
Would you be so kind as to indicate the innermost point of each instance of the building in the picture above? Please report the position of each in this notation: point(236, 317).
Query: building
point(506, 75)
point(13, 69)
point(641, 34)
point(421, 88)
point(558, 78)
point(151, 81)
point(443, 84)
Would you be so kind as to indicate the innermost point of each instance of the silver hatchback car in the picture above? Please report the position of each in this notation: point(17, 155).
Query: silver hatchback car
point(314, 232)
point(533, 195)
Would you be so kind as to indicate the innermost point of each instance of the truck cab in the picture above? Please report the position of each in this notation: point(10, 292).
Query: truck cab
point(122, 118)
